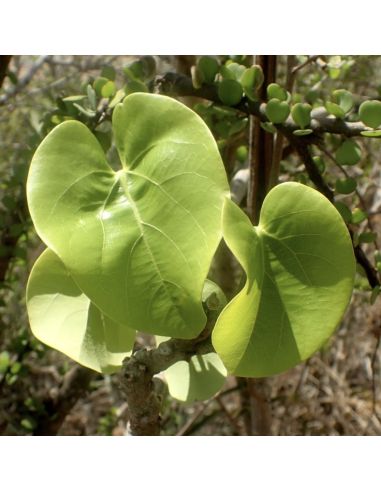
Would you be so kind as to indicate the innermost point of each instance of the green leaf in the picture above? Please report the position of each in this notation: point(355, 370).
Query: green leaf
point(208, 67)
point(251, 80)
point(135, 86)
point(344, 211)
point(91, 94)
point(348, 154)
point(5, 361)
point(344, 99)
point(230, 92)
point(277, 111)
point(62, 317)
point(371, 133)
point(345, 186)
point(301, 114)
point(108, 72)
point(299, 267)
point(77, 98)
point(370, 113)
point(98, 85)
point(108, 89)
point(119, 96)
point(335, 109)
point(135, 70)
point(197, 380)
point(275, 91)
point(236, 69)
point(87, 112)
point(367, 237)
point(149, 66)
point(302, 133)
point(358, 216)
point(138, 241)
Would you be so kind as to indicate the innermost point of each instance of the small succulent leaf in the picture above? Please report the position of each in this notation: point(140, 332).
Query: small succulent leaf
point(345, 186)
point(344, 99)
point(301, 114)
point(277, 111)
point(300, 269)
point(208, 68)
point(358, 216)
point(125, 238)
point(275, 91)
point(370, 113)
point(344, 211)
point(64, 318)
point(251, 80)
point(230, 92)
point(371, 133)
point(302, 133)
point(348, 154)
point(335, 109)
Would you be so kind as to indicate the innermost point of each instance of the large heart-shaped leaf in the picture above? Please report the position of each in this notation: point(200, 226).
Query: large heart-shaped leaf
point(300, 269)
point(138, 241)
point(62, 317)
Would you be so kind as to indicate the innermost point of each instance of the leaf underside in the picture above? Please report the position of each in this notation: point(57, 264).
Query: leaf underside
point(197, 380)
point(62, 317)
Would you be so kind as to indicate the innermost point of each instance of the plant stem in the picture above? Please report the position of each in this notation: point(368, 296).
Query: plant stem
point(138, 382)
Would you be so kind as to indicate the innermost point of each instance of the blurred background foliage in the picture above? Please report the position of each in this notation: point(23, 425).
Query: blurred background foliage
point(41, 391)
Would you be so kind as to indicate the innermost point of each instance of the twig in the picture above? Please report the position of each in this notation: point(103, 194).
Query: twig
point(24, 81)
point(174, 84)
point(185, 428)
point(357, 193)
point(231, 419)
point(74, 385)
point(309, 60)
point(279, 139)
point(373, 365)
point(4, 63)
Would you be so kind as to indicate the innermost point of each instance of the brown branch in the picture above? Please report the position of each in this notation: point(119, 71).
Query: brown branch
point(261, 147)
point(4, 63)
point(74, 386)
point(322, 186)
point(279, 139)
point(138, 382)
point(174, 84)
point(24, 81)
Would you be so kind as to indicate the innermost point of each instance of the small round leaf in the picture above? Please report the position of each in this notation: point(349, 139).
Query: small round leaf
point(277, 111)
point(275, 91)
point(348, 154)
point(370, 113)
point(230, 92)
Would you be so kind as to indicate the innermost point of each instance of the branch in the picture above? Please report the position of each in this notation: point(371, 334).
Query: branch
point(24, 81)
point(322, 186)
point(4, 62)
point(138, 382)
point(74, 386)
point(173, 84)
